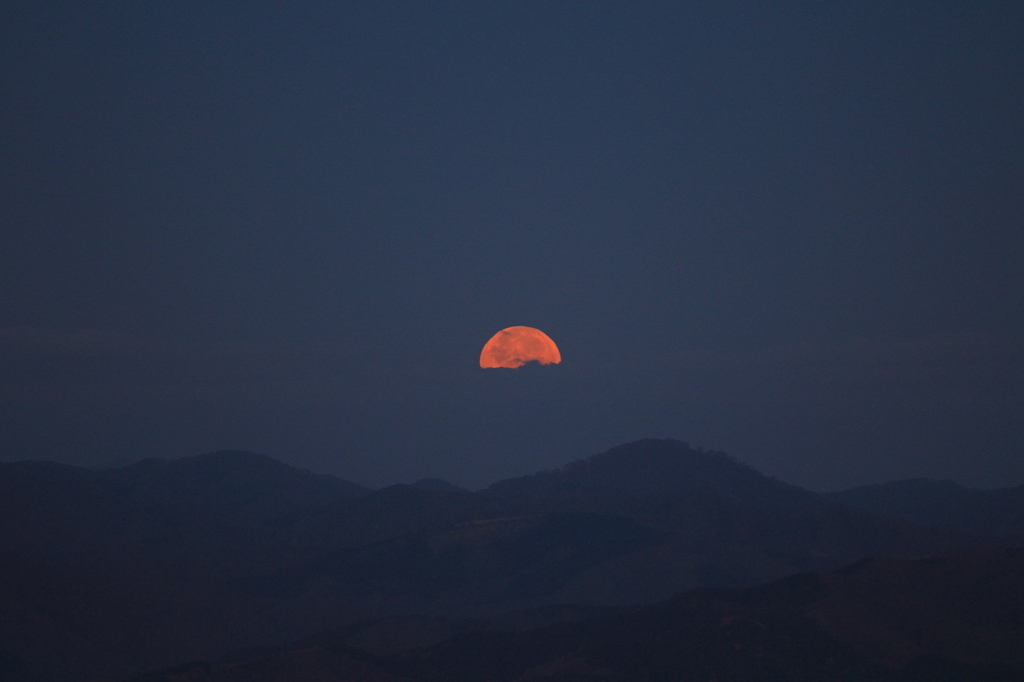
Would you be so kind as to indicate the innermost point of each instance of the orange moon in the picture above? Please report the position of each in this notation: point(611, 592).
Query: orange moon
point(516, 346)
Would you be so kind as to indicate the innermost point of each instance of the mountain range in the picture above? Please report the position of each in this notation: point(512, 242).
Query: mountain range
point(107, 574)
point(952, 617)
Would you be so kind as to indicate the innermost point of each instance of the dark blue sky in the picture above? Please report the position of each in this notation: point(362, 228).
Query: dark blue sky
point(792, 231)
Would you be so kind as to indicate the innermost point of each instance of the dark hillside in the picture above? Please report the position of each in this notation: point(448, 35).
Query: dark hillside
point(450, 554)
point(116, 571)
point(656, 467)
point(949, 618)
point(243, 484)
point(438, 485)
point(59, 510)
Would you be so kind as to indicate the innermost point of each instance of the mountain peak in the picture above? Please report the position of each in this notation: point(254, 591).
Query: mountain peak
point(657, 467)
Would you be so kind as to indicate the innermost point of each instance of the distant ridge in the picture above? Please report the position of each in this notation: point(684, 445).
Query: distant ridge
point(234, 481)
point(657, 467)
point(244, 482)
point(945, 504)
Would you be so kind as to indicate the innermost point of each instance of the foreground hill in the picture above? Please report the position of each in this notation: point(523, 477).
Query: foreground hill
point(950, 617)
point(109, 570)
point(945, 504)
point(115, 572)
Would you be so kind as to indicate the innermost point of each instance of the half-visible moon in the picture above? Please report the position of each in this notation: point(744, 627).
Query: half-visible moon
point(516, 346)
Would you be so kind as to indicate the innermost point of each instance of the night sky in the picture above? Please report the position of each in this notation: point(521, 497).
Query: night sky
point(790, 231)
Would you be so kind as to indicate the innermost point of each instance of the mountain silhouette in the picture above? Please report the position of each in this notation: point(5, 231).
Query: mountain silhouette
point(655, 467)
point(240, 483)
point(943, 618)
point(108, 573)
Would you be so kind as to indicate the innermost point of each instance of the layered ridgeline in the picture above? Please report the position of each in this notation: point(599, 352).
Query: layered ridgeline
point(105, 574)
point(947, 618)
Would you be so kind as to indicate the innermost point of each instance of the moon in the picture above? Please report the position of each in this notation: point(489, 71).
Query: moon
point(515, 346)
